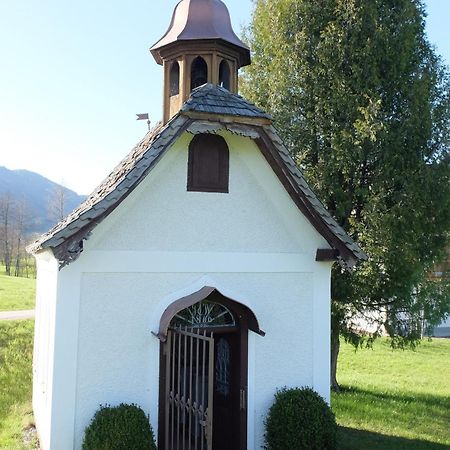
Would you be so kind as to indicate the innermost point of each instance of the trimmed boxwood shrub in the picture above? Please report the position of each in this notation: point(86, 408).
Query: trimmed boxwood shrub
point(300, 419)
point(124, 427)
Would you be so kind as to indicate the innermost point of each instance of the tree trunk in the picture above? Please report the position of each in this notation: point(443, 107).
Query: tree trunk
point(335, 346)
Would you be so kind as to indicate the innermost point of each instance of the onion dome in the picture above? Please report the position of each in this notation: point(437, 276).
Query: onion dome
point(201, 20)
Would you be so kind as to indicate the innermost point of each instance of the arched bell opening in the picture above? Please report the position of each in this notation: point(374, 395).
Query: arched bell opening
point(174, 80)
point(204, 371)
point(225, 75)
point(199, 72)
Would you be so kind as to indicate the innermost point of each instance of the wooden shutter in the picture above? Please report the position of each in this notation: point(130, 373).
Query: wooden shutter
point(208, 164)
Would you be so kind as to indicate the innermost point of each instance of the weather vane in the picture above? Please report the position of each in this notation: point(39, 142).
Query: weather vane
point(144, 117)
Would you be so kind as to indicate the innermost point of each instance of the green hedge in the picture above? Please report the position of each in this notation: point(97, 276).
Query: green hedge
point(124, 427)
point(300, 419)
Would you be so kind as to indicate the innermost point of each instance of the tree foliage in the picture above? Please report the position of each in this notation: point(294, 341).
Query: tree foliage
point(363, 103)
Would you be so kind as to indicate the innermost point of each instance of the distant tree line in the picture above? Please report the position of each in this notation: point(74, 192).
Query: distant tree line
point(16, 230)
point(15, 215)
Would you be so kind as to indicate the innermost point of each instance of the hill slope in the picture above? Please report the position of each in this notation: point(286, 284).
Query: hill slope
point(38, 193)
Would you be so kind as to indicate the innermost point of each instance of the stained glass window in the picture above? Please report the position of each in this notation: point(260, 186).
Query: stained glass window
point(204, 314)
point(223, 360)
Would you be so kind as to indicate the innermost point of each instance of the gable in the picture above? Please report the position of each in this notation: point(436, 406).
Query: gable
point(257, 215)
point(209, 109)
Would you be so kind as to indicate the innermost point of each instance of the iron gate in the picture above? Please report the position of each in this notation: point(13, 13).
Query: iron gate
point(189, 389)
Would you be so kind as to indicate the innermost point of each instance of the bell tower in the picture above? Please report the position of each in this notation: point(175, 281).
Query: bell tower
point(199, 47)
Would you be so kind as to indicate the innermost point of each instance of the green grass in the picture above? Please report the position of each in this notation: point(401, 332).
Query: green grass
point(391, 400)
point(17, 293)
point(394, 400)
point(16, 348)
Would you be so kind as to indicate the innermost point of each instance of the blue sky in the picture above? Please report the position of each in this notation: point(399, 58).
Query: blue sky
point(74, 74)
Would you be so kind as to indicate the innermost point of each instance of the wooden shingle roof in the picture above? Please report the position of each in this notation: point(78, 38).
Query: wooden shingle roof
point(211, 99)
point(209, 109)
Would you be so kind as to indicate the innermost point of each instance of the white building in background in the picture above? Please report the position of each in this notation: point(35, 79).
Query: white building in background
point(195, 280)
point(442, 330)
point(442, 270)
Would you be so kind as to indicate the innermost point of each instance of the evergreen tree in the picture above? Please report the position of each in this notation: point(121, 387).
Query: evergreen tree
point(363, 103)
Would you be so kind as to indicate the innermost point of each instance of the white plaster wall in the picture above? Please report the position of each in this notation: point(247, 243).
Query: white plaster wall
point(163, 243)
point(118, 358)
point(256, 216)
point(43, 356)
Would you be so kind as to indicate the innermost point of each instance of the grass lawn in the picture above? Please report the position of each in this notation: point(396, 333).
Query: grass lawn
point(394, 400)
point(16, 293)
point(391, 400)
point(16, 347)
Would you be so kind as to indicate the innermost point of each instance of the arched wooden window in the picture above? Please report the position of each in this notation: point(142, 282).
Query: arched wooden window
point(208, 164)
point(175, 79)
point(199, 72)
point(224, 75)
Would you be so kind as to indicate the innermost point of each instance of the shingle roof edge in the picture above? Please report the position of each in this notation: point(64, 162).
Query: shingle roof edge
point(317, 210)
point(112, 191)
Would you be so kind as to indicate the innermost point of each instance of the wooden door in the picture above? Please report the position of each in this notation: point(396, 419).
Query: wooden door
point(226, 423)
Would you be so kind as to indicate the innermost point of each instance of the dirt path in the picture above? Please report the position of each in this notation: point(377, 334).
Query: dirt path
point(17, 315)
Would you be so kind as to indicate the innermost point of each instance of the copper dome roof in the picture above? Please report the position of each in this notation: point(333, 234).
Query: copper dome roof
point(201, 20)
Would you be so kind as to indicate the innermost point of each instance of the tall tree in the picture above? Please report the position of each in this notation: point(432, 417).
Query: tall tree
point(363, 103)
point(6, 227)
point(22, 217)
point(57, 205)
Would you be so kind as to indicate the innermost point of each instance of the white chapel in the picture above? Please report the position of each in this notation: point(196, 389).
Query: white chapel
point(196, 278)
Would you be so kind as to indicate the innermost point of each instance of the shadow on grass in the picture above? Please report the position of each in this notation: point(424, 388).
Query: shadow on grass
point(351, 439)
point(427, 399)
point(425, 418)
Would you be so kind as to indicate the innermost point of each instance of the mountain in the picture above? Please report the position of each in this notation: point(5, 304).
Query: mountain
point(40, 196)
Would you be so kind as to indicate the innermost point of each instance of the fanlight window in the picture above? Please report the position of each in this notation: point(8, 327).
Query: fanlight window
point(199, 72)
point(204, 314)
point(175, 79)
point(224, 75)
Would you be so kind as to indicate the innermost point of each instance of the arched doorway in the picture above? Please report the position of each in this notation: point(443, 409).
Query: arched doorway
point(204, 371)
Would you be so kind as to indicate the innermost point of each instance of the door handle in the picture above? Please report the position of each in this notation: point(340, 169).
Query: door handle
point(242, 399)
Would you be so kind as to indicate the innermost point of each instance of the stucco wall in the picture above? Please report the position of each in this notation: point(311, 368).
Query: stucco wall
point(46, 293)
point(256, 216)
point(163, 243)
point(118, 357)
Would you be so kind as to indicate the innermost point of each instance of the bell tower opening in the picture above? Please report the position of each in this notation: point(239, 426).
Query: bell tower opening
point(175, 79)
point(224, 75)
point(199, 72)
